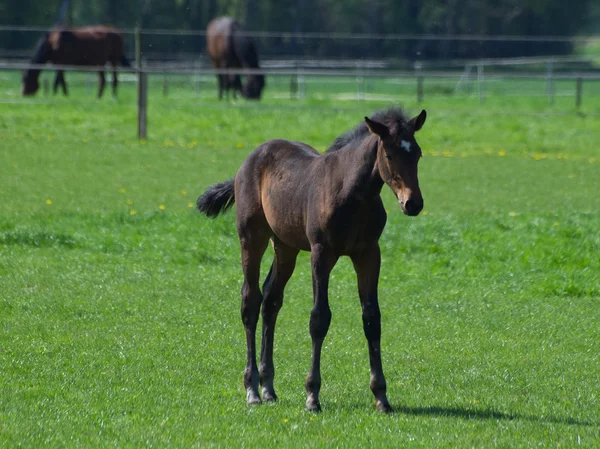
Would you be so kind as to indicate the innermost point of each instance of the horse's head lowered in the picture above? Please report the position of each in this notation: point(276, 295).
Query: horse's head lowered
point(29, 82)
point(398, 155)
point(252, 90)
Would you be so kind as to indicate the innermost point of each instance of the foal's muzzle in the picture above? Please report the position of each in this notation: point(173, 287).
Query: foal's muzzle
point(412, 207)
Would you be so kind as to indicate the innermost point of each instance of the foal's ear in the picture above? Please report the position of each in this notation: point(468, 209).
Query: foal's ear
point(377, 128)
point(419, 120)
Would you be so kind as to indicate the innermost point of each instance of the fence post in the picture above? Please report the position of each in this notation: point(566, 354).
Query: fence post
point(419, 75)
point(301, 87)
point(294, 86)
point(142, 104)
point(142, 86)
point(138, 47)
point(550, 81)
point(359, 82)
point(480, 80)
point(579, 88)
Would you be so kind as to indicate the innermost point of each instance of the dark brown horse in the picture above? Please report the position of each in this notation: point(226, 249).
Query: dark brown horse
point(229, 48)
point(328, 204)
point(88, 46)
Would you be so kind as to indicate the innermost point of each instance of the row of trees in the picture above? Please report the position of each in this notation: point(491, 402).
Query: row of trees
point(440, 17)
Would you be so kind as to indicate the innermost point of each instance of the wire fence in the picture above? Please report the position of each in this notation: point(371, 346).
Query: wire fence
point(397, 48)
point(307, 77)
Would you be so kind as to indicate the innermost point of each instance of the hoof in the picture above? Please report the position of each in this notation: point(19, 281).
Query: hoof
point(252, 397)
point(269, 396)
point(313, 405)
point(384, 407)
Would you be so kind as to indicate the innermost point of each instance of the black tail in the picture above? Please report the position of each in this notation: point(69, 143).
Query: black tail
point(125, 62)
point(217, 199)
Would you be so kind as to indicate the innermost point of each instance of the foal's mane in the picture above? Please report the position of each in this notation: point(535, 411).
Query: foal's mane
point(392, 118)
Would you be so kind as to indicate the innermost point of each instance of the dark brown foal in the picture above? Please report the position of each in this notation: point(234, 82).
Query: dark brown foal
point(328, 204)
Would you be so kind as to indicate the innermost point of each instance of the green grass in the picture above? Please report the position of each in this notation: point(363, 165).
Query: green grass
point(119, 307)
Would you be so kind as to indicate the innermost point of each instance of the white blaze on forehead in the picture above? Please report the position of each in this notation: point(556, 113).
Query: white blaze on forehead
point(406, 145)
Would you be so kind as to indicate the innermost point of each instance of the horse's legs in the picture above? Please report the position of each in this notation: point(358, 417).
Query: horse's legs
point(284, 262)
point(253, 248)
point(55, 86)
point(322, 260)
point(221, 80)
point(102, 81)
point(115, 81)
point(59, 80)
point(367, 265)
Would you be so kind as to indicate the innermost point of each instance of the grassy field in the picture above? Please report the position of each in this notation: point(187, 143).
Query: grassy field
point(119, 304)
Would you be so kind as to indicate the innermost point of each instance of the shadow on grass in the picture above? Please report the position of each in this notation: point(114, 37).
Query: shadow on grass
point(470, 414)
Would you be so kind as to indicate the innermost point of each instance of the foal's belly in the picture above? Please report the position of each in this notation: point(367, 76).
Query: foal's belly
point(288, 226)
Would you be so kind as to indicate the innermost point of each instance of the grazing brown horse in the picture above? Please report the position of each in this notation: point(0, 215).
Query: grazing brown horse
point(87, 46)
point(229, 48)
point(328, 204)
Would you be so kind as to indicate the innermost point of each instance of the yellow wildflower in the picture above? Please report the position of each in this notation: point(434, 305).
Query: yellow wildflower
point(161, 207)
point(48, 201)
point(132, 212)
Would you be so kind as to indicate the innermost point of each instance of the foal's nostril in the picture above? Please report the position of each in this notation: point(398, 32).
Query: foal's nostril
point(413, 207)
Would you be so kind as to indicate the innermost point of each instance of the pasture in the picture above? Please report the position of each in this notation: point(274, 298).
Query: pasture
point(120, 305)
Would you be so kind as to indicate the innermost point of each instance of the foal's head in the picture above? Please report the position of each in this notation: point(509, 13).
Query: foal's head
point(398, 155)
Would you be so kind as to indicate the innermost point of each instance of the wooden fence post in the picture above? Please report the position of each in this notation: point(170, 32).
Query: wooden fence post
point(480, 80)
point(419, 88)
point(579, 88)
point(294, 86)
point(301, 86)
point(550, 81)
point(419, 75)
point(138, 47)
point(142, 87)
point(142, 104)
point(360, 83)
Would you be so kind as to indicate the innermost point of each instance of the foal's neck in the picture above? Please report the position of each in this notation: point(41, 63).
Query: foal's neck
point(362, 178)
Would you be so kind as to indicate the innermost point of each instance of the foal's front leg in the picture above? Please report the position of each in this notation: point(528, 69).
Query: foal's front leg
point(322, 261)
point(367, 265)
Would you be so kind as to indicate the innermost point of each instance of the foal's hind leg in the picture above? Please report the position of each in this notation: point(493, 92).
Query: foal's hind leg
point(366, 264)
point(253, 246)
point(284, 262)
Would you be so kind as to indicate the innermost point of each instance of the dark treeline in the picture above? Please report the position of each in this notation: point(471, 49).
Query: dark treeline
point(440, 17)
